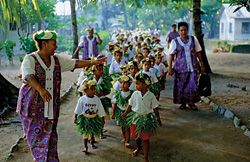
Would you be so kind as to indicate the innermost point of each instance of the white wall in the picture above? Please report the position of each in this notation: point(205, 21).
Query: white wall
point(238, 26)
point(223, 20)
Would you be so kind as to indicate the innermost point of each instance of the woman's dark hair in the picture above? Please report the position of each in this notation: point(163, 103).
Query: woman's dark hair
point(173, 25)
point(39, 42)
point(182, 24)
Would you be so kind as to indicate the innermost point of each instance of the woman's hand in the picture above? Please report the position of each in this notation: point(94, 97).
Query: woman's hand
point(102, 60)
point(170, 71)
point(202, 69)
point(45, 95)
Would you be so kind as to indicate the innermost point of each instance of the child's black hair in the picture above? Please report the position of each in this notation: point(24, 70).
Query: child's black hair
point(144, 78)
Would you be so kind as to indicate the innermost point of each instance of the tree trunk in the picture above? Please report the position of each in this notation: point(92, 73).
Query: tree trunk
point(125, 14)
point(199, 34)
point(104, 15)
point(8, 95)
point(134, 19)
point(74, 26)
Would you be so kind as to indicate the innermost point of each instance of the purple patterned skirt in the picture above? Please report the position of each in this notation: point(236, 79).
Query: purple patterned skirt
point(42, 138)
point(186, 88)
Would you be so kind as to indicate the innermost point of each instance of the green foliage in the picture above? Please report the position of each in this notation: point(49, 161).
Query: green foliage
point(47, 9)
point(121, 101)
point(27, 44)
point(9, 49)
point(118, 117)
point(241, 48)
point(64, 44)
point(224, 45)
point(20, 58)
point(105, 36)
point(147, 122)
point(11, 13)
point(1, 46)
point(89, 125)
point(239, 4)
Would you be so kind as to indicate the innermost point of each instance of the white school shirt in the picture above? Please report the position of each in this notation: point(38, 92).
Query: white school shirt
point(152, 76)
point(186, 46)
point(86, 103)
point(115, 66)
point(124, 95)
point(109, 57)
point(117, 85)
point(143, 104)
point(132, 86)
point(28, 68)
point(161, 69)
point(80, 81)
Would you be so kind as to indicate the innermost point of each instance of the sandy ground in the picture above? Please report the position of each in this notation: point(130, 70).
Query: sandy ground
point(185, 135)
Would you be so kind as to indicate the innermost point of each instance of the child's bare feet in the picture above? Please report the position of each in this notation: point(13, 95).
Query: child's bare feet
point(85, 150)
point(136, 152)
point(94, 146)
point(127, 145)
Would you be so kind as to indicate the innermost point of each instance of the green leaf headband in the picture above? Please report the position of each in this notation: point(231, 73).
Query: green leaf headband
point(144, 78)
point(45, 35)
point(87, 84)
point(124, 78)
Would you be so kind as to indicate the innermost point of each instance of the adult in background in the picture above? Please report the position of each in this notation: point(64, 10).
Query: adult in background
point(186, 58)
point(172, 35)
point(39, 96)
point(89, 44)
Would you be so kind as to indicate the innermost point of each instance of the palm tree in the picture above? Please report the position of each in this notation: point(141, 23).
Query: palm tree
point(74, 25)
point(198, 32)
point(10, 13)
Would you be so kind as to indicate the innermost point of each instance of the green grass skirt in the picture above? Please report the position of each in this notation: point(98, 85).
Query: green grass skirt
point(90, 125)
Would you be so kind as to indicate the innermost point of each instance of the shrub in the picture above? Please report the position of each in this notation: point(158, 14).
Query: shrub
point(241, 48)
point(105, 36)
point(27, 44)
point(9, 49)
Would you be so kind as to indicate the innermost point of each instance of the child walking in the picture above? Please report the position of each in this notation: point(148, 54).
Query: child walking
point(146, 69)
point(120, 103)
point(102, 88)
point(88, 113)
point(142, 113)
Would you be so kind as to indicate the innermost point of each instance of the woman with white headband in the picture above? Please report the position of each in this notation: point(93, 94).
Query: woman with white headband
point(39, 96)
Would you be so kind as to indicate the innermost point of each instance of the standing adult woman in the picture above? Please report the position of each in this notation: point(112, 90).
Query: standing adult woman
point(39, 96)
point(184, 53)
point(89, 44)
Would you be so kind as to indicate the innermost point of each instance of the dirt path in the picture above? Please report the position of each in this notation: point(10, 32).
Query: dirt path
point(184, 136)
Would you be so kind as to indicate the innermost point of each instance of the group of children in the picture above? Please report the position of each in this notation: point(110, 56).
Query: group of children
point(132, 79)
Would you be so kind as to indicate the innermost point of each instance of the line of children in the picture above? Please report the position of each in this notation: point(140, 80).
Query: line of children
point(136, 112)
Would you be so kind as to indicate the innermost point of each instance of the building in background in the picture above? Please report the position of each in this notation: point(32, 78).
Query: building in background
point(234, 26)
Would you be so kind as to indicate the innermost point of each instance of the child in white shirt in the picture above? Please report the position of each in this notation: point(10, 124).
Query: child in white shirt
point(146, 66)
point(119, 105)
point(115, 65)
point(161, 69)
point(143, 114)
point(88, 113)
